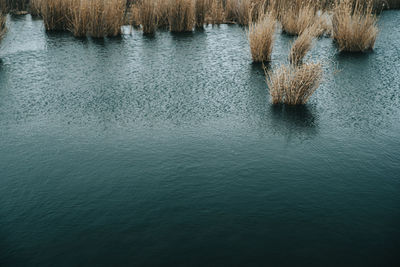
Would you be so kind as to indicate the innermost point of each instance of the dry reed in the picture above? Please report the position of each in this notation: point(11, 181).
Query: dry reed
point(296, 19)
point(201, 9)
point(294, 85)
point(34, 7)
point(181, 15)
point(231, 10)
point(96, 18)
point(354, 26)
point(216, 12)
point(301, 46)
point(261, 38)
point(243, 12)
point(56, 14)
point(162, 13)
point(148, 16)
point(132, 16)
point(3, 28)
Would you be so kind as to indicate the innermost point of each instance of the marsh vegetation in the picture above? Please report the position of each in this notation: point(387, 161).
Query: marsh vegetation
point(352, 24)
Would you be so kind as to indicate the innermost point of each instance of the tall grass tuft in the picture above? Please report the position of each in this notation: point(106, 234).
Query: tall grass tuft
point(231, 10)
point(96, 18)
point(354, 26)
point(261, 38)
point(294, 85)
point(296, 18)
point(56, 14)
point(80, 18)
point(216, 12)
point(201, 9)
point(162, 13)
point(181, 15)
point(244, 12)
point(34, 7)
point(3, 28)
point(133, 15)
point(148, 16)
point(302, 45)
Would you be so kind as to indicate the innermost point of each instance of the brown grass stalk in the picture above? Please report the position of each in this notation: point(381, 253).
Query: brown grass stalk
point(3, 28)
point(294, 85)
point(34, 7)
point(296, 19)
point(148, 16)
point(201, 9)
point(261, 38)
point(354, 26)
point(56, 14)
point(181, 15)
point(302, 45)
point(216, 13)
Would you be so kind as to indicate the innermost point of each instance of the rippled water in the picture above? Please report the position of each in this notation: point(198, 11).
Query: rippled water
point(165, 151)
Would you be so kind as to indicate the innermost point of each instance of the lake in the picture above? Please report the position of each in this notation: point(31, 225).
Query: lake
point(165, 150)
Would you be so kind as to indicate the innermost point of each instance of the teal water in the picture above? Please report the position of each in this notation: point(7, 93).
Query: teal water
point(141, 151)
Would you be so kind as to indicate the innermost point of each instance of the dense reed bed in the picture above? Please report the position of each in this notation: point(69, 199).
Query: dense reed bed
point(354, 25)
point(261, 38)
point(96, 18)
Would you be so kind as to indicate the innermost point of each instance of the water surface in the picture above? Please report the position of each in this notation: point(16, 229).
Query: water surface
point(165, 150)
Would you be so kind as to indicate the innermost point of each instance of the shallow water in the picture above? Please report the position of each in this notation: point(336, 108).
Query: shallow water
point(165, 151)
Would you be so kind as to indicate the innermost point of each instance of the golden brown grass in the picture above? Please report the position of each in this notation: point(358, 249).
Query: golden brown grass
point(261, 38)
point(243, 12)
point(294, 85)
point(354, 26)
point(3, 28)
point(56, 14)
point(201, 9)
point(80, 18)
point(296, 19)
point(231, 10)
point(302, 45)
point(148, 16)
point(133, 15)
point(216, 13)
point(34, 7)
point(162, 13)
point(96, 18)
point(181, 15)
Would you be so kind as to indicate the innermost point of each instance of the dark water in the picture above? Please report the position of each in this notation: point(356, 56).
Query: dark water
point(143, 151)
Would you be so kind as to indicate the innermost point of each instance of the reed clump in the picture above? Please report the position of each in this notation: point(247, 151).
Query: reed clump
point(56, 14)
point(35, 7)
point(147, 12)
point(96, 18)
point(296, 18)
point(354, 26)
point(231, 10)
point(181, 15)
point(302, 45)
point(243, 12)
point(216, 13)
point(133, 15)
point(294, 85)
point(3, 28)
point(162, 13)
point(201, 9)
point(261, 38)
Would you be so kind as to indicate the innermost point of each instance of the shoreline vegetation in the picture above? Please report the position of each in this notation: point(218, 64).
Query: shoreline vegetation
point(352, 25)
